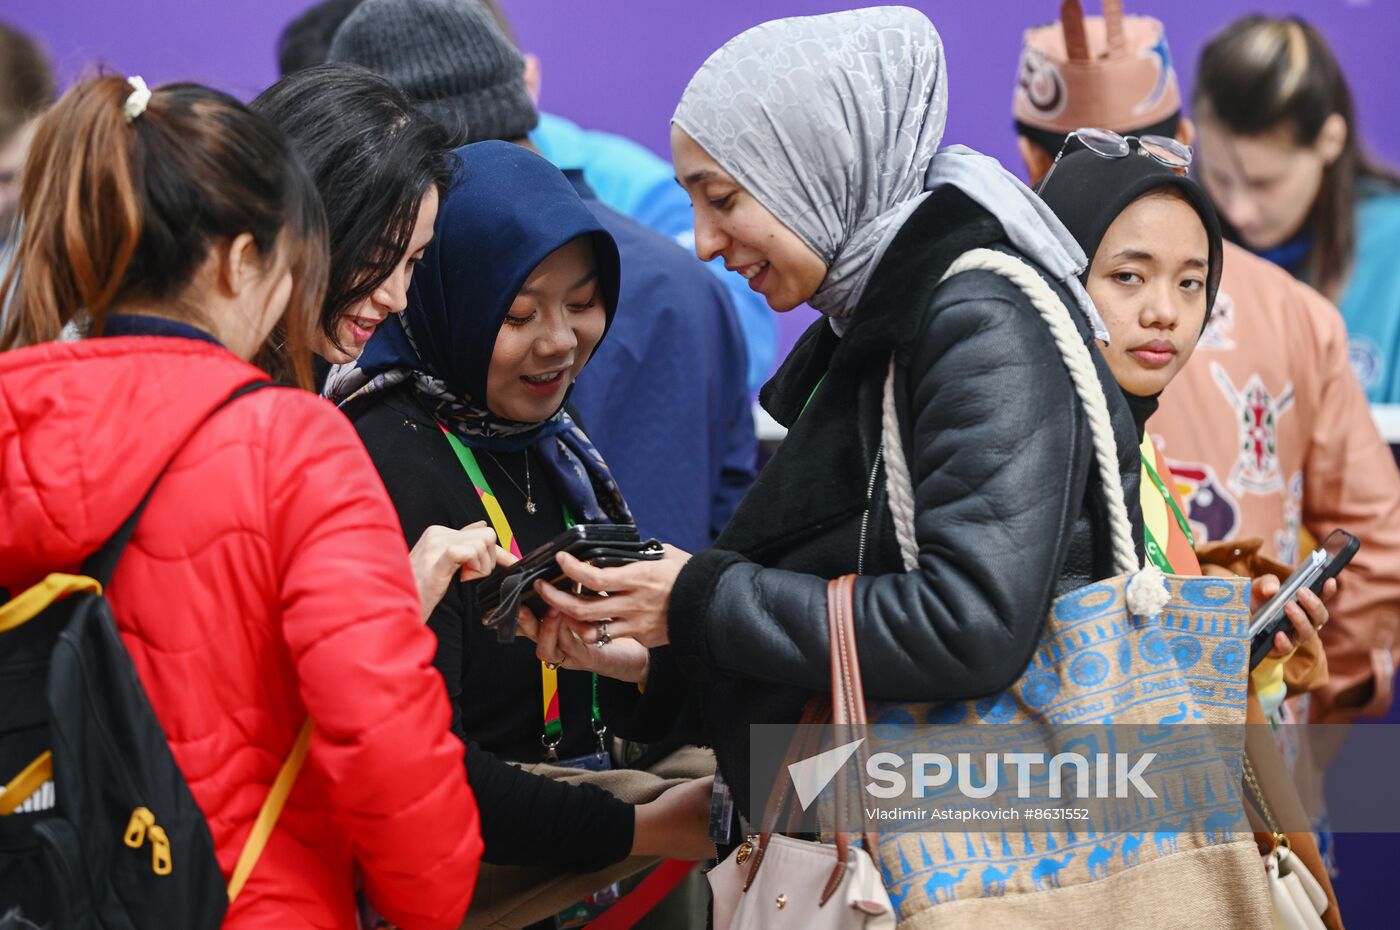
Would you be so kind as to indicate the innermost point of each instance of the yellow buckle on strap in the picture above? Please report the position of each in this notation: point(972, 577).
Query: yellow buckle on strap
point(26, 783)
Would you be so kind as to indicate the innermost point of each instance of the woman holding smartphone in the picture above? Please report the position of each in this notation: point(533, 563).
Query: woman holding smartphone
point(813, 202)
point(460, 401)
point(1155, 260)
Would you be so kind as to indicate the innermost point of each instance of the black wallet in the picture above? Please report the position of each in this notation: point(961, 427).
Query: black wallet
point(502, 594)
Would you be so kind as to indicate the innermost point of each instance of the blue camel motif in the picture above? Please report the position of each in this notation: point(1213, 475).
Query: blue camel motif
point(1218, 824)
point(994, 881)
point(898, 893)
point(1099, 858)
point(1131, 851)
point(1166, 834)
point(1047, 871)
point(945, 882)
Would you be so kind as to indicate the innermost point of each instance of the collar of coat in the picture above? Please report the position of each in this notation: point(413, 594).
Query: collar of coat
point(888, 316)
point(819, 479)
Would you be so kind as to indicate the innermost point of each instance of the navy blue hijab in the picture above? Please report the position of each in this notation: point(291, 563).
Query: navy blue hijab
point(507, 210)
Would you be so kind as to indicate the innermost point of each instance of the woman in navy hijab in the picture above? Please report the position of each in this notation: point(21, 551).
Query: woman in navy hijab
point(461, 402)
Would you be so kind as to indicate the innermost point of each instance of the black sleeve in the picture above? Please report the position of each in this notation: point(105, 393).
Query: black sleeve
point(999, 463)
point(407, 457)
point(645, 716)
point(533, 820)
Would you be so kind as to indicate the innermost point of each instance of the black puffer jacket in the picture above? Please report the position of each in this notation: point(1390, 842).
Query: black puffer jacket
point(1009, 507)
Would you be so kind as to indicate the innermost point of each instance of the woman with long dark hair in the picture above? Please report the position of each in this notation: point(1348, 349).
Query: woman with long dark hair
point(1281, 156)
point(381, 168)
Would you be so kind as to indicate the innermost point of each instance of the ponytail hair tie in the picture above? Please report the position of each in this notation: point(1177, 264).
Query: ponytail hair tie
point(138, 99)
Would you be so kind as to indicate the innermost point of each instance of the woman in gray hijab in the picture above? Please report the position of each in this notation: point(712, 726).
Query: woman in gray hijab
point(810, 149)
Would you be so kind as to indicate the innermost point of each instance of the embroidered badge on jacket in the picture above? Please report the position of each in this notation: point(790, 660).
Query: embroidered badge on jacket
point(1257, 412)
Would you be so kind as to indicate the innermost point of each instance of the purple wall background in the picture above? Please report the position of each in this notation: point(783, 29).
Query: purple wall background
point(621, 65)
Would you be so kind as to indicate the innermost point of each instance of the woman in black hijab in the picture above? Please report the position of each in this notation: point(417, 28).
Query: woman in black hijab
point(1155, 259)
point(1154, 248)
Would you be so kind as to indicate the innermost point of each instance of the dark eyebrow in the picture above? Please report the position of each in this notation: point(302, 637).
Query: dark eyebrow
point(695, 177)
point(1141, 256)
point(591, 276)
point(535, 292)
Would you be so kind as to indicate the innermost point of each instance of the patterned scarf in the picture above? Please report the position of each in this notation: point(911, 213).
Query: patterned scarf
point(508, 209)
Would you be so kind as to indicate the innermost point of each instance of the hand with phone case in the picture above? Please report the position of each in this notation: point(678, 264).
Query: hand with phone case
point(639, 602)
point(443, 555)
point(501, 595)
point(1298, 601)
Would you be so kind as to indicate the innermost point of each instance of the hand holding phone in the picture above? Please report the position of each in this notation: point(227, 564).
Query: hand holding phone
point(501, 595)
point(1313, 572)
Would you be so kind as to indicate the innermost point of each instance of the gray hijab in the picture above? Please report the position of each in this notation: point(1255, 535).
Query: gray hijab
point(834, 122)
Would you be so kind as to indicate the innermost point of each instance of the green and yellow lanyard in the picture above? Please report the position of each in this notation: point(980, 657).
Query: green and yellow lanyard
point(1155, 551)
point(553, 724)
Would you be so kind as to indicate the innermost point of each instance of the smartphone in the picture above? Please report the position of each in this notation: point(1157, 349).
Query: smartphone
point(581, 536)
point(1323, 563)
point(1271, 618)
point(1340, 546)
point(501, 595)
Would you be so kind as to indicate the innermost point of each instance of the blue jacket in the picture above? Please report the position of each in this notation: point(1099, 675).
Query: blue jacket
point(1371, 304)
point(633, 181)
point(664, 398)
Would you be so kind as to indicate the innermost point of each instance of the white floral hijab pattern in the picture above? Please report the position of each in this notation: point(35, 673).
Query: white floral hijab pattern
point(834, 124)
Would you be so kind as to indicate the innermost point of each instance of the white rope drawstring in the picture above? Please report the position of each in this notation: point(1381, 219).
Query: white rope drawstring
point(898, 485)
point(1080, 364)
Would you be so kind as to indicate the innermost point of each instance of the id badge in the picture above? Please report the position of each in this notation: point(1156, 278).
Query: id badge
point(593, 762)
point(721, 812)
point(589, 909)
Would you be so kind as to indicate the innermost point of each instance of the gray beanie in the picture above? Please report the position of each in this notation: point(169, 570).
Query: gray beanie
point(450, 57)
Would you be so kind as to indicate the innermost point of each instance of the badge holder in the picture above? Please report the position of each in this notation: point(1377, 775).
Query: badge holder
point(600, 760)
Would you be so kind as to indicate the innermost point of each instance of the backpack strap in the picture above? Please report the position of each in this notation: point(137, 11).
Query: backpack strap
point(102, 564)
point(271, 810)
point(33, 601)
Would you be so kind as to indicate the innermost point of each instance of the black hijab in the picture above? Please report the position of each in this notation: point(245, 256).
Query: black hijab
point(1088, 192)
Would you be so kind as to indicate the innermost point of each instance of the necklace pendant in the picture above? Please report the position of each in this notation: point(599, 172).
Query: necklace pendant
point(531, 507)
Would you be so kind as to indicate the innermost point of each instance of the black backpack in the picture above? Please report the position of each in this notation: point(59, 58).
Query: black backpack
point(97, 826)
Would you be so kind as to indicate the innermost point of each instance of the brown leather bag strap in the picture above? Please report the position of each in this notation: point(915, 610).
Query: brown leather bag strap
point(847, 689)
point(848, 709)
point(814, 714)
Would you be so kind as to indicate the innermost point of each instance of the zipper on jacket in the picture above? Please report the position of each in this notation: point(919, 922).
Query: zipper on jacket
point(865, 520)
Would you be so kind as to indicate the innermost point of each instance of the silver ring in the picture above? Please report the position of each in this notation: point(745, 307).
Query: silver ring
point(603, 637)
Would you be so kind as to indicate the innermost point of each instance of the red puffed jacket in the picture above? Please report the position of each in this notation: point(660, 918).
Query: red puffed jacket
point(267, 580)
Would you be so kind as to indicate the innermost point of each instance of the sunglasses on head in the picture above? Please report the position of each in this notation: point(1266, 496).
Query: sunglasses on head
point(1106, 143)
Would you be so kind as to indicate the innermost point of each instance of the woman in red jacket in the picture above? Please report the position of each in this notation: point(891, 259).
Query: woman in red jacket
point(268, 571)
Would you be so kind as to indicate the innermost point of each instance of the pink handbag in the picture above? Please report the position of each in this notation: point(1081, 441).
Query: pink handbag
point(775, 881)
